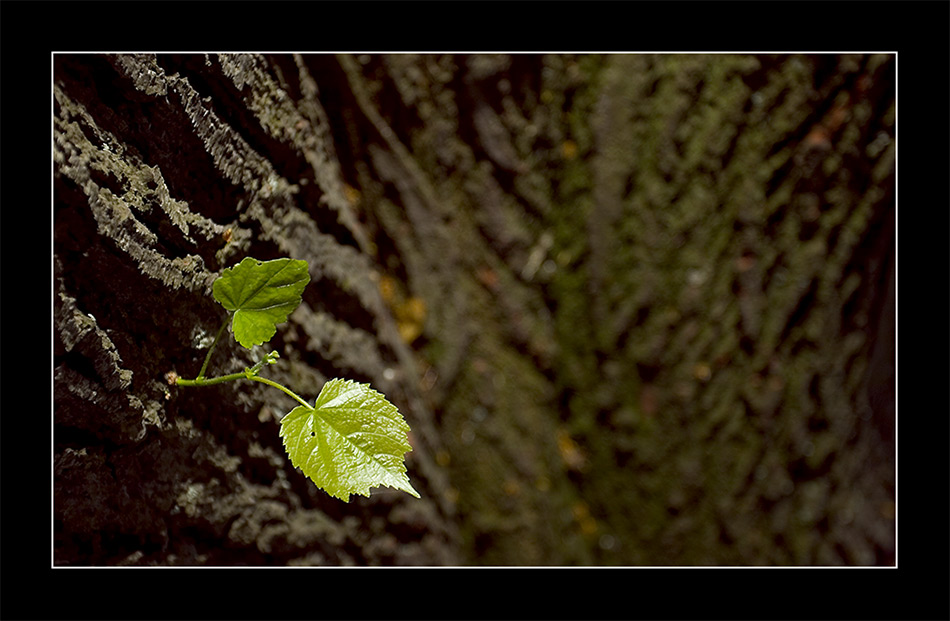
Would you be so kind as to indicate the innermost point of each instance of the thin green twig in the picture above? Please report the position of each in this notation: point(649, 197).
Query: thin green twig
point(248, 374)
point(208, 381)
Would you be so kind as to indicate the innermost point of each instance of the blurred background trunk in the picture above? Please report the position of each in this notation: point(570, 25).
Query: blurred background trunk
point(637, 309)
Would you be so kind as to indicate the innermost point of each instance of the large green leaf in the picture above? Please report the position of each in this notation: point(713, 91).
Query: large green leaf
point(350, 440)
point(260, 295)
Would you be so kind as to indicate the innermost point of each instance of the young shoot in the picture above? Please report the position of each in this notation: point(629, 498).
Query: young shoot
point(351, 438)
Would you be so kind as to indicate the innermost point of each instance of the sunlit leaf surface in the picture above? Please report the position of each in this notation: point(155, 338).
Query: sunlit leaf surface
point(351, 440)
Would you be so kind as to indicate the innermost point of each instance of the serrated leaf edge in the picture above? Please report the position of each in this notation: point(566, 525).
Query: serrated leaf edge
point(401, 475)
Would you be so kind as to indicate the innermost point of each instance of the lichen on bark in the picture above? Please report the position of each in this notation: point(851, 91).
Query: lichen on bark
point(157, 189)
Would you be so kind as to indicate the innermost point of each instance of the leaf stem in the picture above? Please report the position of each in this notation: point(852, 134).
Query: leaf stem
point(264, 380)
point(217, 336)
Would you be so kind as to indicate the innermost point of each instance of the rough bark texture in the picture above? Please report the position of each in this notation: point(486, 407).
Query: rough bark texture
point(636, 309)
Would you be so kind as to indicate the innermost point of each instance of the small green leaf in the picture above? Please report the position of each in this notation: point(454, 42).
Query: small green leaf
point(350, 440)
point(260, 294)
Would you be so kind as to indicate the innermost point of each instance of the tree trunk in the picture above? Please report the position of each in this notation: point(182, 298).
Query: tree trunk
point(635, 308)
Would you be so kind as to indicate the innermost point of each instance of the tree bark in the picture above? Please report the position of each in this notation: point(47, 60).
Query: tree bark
point(635, 308)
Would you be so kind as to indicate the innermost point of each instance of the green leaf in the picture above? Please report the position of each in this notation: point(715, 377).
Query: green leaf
point(260, 294)
point(350, 440)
